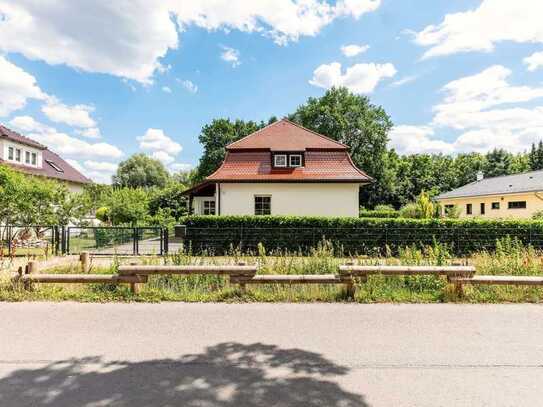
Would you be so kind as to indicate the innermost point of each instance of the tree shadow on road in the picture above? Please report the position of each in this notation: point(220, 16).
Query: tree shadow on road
point(225, 375)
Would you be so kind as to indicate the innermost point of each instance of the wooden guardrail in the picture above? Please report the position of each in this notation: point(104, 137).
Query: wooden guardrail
point(243, 274)
point(364, 271)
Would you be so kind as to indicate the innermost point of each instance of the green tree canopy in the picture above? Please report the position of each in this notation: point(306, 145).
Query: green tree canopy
point(352, 120)
point(141, 171)
point(216, 136)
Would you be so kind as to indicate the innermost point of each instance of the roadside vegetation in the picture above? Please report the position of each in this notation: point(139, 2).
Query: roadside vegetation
point(509, 258)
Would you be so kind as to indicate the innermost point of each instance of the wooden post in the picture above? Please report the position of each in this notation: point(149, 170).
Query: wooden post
point(242, 286)
point(31, 268)
point(459, 289)
point(134, 287)
point(84, 257)
point(350, 287)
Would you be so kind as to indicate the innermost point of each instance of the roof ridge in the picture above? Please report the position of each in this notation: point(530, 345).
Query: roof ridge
point(314, 132)
point(254, 132)
point(286, 120)
point(509, 175)
point(5, 133)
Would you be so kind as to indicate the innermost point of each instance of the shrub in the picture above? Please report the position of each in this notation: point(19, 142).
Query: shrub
point(353, 235)
point(379, 212)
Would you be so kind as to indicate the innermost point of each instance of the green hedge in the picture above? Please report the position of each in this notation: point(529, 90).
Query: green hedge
point(385, 213)
point(218, 234)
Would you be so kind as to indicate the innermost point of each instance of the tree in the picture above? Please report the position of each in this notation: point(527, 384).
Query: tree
point(216, 136)
point(186, 178)
point(498, 162)
point(141, 171)
point(352, 120)
point(535, 157)
point(127, 206)
point(170, 199)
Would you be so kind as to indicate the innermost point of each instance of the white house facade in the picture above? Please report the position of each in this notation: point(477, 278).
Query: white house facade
point(282, 169)
point(26, 155)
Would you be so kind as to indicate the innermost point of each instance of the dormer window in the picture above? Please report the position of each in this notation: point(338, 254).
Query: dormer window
point(280, 160)
point(295, 160)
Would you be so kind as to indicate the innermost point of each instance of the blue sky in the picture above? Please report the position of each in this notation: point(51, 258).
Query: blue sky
point(101, 81)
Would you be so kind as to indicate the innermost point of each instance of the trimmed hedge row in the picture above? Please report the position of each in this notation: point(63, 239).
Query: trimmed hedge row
point(385, 213)
point(218, 234)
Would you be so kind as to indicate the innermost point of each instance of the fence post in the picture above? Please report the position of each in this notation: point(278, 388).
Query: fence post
point(10, 243)
point(56, 234)
point(135, 241)
point(166, 242)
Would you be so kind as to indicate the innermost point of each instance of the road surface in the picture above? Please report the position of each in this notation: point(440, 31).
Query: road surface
point(226, 355)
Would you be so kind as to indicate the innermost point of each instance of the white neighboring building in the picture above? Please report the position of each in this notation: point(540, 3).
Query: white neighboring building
point(26, 155)
point(282, 169)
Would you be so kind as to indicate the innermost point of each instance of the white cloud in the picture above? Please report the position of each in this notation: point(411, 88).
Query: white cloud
point(534, 61)
point(282, 20)
point(97, 171)
point(177, 167)
point(231, 56)
point(166, 89)
point(140, 32)
point(417, 139)
point(92, 133)
point(16, 87)
point(404, 80)
point(157, 140)
point(188, 85)
point(63, 143)
point(481, 28)
point(27, 123)
point(353, 50)
point(163, 157)
point(485, 108)
point(468, 100)
point(359, 78)
point(101, 166)
point(75, 116)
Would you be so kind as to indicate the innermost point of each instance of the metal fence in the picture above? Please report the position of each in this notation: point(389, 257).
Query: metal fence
point(352, 240)
point(117, 240)
point(28, 240)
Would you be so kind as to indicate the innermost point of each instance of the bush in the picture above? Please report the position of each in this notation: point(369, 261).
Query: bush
point(219, 234)
point(379, 213)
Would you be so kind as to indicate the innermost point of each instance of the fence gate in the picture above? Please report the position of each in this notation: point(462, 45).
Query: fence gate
point(117, 240)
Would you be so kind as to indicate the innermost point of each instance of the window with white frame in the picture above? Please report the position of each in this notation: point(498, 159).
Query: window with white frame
point(262, 205)
point(27, 157)
point(295, 160)
point(280, 160)
point(34, 159)
point(18, 155)
point(209, 207)
point(11, 153)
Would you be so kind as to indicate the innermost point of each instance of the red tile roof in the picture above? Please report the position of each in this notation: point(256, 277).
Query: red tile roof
point(16, 137)
point(320, 166)
point(68, 172)
point(285, 135)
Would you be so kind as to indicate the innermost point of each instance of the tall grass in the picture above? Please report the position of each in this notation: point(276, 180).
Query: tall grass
point(510, 257)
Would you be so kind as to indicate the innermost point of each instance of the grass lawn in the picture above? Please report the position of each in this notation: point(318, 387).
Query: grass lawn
point(510, 258)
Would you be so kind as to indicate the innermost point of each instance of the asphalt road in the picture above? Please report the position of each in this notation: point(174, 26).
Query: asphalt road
point(220, 355)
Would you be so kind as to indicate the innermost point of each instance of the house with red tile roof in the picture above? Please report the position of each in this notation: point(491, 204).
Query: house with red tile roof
point(26, 155)
point(282, 169)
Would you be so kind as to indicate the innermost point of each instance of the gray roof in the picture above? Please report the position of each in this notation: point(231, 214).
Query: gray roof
point(506, 184)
